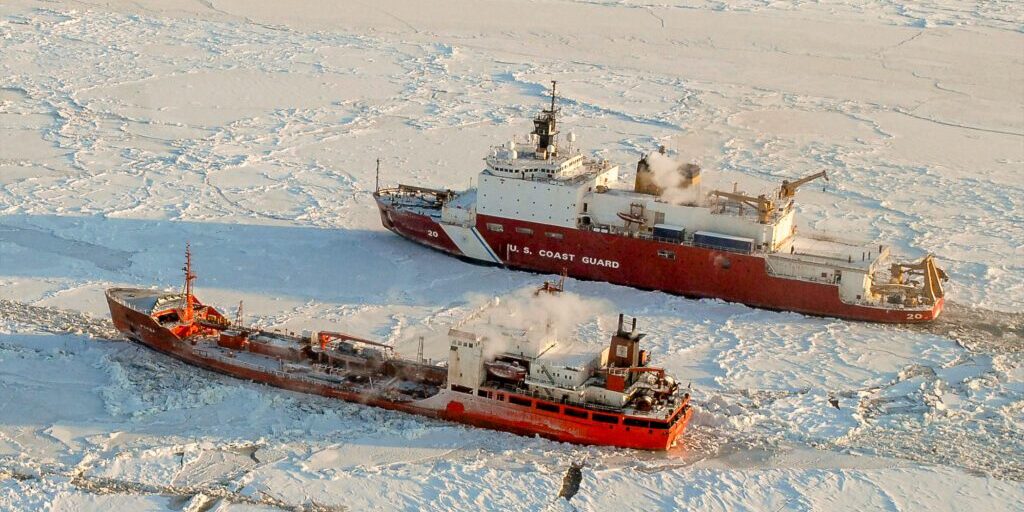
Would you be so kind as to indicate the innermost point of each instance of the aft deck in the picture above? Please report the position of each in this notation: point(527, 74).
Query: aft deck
point(833, 252)
point(663, 413)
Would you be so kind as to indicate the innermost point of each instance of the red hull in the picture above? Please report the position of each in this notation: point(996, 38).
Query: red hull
point(695, 271)
point(529, 421)
point(482, 411)
point(143, 329)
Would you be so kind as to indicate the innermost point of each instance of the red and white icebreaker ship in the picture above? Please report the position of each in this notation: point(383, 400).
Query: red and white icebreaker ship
point(543, 208)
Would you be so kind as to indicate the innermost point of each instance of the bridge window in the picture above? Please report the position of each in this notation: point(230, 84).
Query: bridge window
point(498, 228)
point(668, 255)
point(524, 231)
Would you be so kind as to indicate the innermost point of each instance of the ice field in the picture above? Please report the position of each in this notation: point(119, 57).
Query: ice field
point(251, 129)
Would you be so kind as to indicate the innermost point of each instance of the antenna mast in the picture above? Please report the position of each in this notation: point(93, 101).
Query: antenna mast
point(545, 128)
point(189, 277)
point(553, 84)
point(238, 316)
point(377, 187)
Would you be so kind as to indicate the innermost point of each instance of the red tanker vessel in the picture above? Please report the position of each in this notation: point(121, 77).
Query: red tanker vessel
point(524, 382)
point(541, 208)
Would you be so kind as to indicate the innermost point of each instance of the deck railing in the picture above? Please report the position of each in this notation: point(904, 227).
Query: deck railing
point(608, 229)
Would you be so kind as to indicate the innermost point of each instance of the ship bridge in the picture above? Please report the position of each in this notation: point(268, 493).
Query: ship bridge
point(533, 191)
point(506, 162)
point(536, 179)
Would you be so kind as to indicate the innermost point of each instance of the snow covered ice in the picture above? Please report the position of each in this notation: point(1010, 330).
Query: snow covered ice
point(251, 129)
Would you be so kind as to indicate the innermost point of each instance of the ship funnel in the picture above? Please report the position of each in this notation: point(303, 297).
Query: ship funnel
point(657, 172)
point(623, 333)
point(624, 351)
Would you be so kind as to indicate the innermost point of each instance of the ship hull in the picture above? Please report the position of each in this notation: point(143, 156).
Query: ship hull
point(486, 412)
point(529, 420)
point(144, 330)
point(695, 272)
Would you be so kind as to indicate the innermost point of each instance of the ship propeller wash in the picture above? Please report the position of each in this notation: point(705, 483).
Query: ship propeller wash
point(543, 207)
point(521, 381)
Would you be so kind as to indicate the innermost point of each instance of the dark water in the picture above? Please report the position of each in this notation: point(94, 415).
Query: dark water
point(978, 329)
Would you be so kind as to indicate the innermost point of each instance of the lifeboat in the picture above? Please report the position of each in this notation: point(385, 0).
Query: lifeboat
point(631, 218)
point(505, 370)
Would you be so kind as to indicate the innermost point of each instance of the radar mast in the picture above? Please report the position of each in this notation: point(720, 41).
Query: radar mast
point(545, 128)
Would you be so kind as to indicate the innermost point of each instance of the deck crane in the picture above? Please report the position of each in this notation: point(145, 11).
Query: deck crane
point(788, 188)
point(902, 273)
point(762, 204)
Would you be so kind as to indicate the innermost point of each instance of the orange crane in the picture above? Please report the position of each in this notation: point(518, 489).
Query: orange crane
point(788, 188)
point(929, 290)
point(761, 204)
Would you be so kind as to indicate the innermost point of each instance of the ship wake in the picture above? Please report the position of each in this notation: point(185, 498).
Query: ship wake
point(979, 329)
